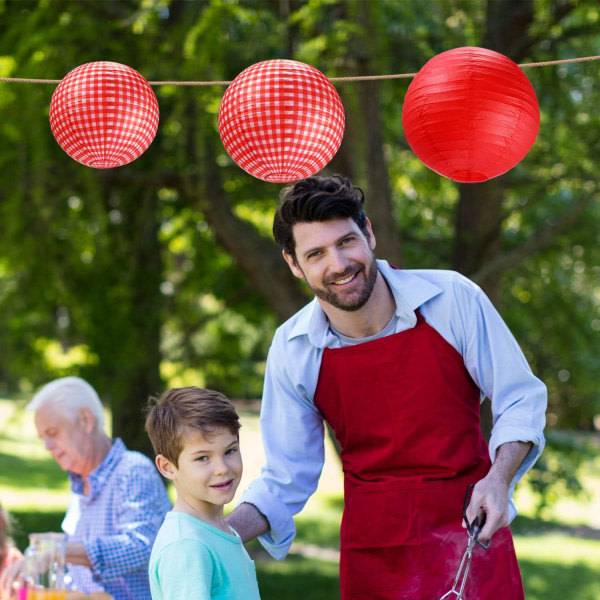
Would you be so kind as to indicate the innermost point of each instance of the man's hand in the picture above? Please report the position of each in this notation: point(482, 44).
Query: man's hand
point(490, 494)
point(11, 576)
point(76, 554)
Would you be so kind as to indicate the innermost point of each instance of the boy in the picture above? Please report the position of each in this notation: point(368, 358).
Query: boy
point(196, 555)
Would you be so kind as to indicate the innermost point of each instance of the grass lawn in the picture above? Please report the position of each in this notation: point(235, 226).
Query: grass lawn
point(559, 557)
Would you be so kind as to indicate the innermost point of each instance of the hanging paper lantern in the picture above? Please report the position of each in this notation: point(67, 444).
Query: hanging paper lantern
point(281, 120)
point(104, 114)
point(470, 114)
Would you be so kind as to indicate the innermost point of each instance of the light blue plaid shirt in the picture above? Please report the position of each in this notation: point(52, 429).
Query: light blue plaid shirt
point(117, 523)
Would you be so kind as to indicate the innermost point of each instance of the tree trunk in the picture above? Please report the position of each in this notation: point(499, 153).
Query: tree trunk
point(259, 258)
point(478, 228)
point(479, 215)
point(136, 362)
point(379, 204)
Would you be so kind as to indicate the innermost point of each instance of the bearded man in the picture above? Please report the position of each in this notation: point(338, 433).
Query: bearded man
point(397, 362)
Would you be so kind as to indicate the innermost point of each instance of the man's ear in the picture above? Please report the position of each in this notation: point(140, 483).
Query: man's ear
point(165, 467)
point(291, 261)
point(87, 420)
point(372, 241)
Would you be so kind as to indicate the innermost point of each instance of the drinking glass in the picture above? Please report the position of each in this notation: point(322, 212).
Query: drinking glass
point(49, 552)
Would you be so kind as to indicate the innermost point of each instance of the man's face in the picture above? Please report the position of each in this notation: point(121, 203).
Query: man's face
point(67, 439)
point(336, 260)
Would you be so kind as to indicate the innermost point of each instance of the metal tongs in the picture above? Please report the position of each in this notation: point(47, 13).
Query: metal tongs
point(474, 529)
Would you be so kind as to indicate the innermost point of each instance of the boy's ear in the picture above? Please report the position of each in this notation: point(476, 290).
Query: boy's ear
point(165, 467)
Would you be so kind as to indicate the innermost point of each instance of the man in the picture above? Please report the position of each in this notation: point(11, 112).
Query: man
point(118, 500)
point(397, 363)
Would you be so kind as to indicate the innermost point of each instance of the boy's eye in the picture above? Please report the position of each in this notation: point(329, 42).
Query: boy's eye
point(202, 458)
point(231, 451)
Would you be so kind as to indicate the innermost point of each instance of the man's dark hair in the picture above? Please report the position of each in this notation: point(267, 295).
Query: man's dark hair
point(317, 199)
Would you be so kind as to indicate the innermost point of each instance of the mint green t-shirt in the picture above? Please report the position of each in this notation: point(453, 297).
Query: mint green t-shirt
point(193, 560)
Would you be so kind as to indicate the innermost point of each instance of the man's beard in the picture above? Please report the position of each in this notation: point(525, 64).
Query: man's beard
point(331, 297)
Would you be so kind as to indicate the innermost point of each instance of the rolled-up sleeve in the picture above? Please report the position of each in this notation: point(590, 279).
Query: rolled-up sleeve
point(500, 369)
point(293, 438)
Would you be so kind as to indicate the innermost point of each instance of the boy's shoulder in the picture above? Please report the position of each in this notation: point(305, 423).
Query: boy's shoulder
point(181, 561)
point(181, 534)
point(179, 525)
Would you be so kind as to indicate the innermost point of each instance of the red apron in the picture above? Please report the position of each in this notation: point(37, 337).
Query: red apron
point(406, 413)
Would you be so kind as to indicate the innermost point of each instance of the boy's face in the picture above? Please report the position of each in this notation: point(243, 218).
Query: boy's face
point(209, 469)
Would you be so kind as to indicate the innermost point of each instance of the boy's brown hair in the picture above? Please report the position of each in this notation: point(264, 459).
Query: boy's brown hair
point(182, 410)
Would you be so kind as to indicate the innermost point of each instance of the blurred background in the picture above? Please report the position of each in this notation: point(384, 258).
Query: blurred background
point(164, 272)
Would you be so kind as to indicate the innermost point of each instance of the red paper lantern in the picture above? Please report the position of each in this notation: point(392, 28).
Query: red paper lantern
point(281, 120)
point(104, 114)
point(470, 114)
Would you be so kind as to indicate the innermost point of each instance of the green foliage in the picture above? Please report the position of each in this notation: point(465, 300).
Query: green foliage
point(298, 578)
point(103, 256)
point(550, 579)
point(26, 522)
point(123, 276)
point(558, 471)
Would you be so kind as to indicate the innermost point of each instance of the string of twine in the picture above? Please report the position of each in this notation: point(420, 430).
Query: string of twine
point(332, 79)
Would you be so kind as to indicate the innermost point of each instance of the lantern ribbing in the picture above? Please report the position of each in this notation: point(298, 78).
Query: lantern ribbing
point(470, 114)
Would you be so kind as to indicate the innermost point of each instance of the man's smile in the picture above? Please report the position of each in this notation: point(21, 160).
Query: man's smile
point(345, 280)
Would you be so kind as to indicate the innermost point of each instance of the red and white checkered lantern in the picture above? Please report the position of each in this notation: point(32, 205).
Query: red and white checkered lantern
point(104, 114)
point(281, 120)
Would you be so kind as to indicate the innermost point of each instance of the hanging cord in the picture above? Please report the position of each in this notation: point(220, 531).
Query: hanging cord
point(332, 79)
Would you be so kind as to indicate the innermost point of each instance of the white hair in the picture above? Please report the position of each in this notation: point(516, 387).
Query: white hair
point(72, 394)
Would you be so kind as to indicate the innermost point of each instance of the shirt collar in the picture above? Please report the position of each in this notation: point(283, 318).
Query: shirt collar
point(409, 290)
point(99, 475)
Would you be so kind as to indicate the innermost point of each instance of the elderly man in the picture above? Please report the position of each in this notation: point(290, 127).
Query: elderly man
point(117, 502)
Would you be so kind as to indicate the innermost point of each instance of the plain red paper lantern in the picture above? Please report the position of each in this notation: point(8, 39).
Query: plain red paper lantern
point(104, 114)
point(470, 114)
point(281, 120)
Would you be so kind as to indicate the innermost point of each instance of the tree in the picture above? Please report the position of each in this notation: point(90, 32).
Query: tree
point(164, 271)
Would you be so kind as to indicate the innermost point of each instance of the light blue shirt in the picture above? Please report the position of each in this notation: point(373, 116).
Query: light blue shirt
point(117, 523)
point(292, 427)
point(192, 560)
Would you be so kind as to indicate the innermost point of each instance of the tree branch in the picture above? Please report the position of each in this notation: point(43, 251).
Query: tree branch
point(535, 244)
